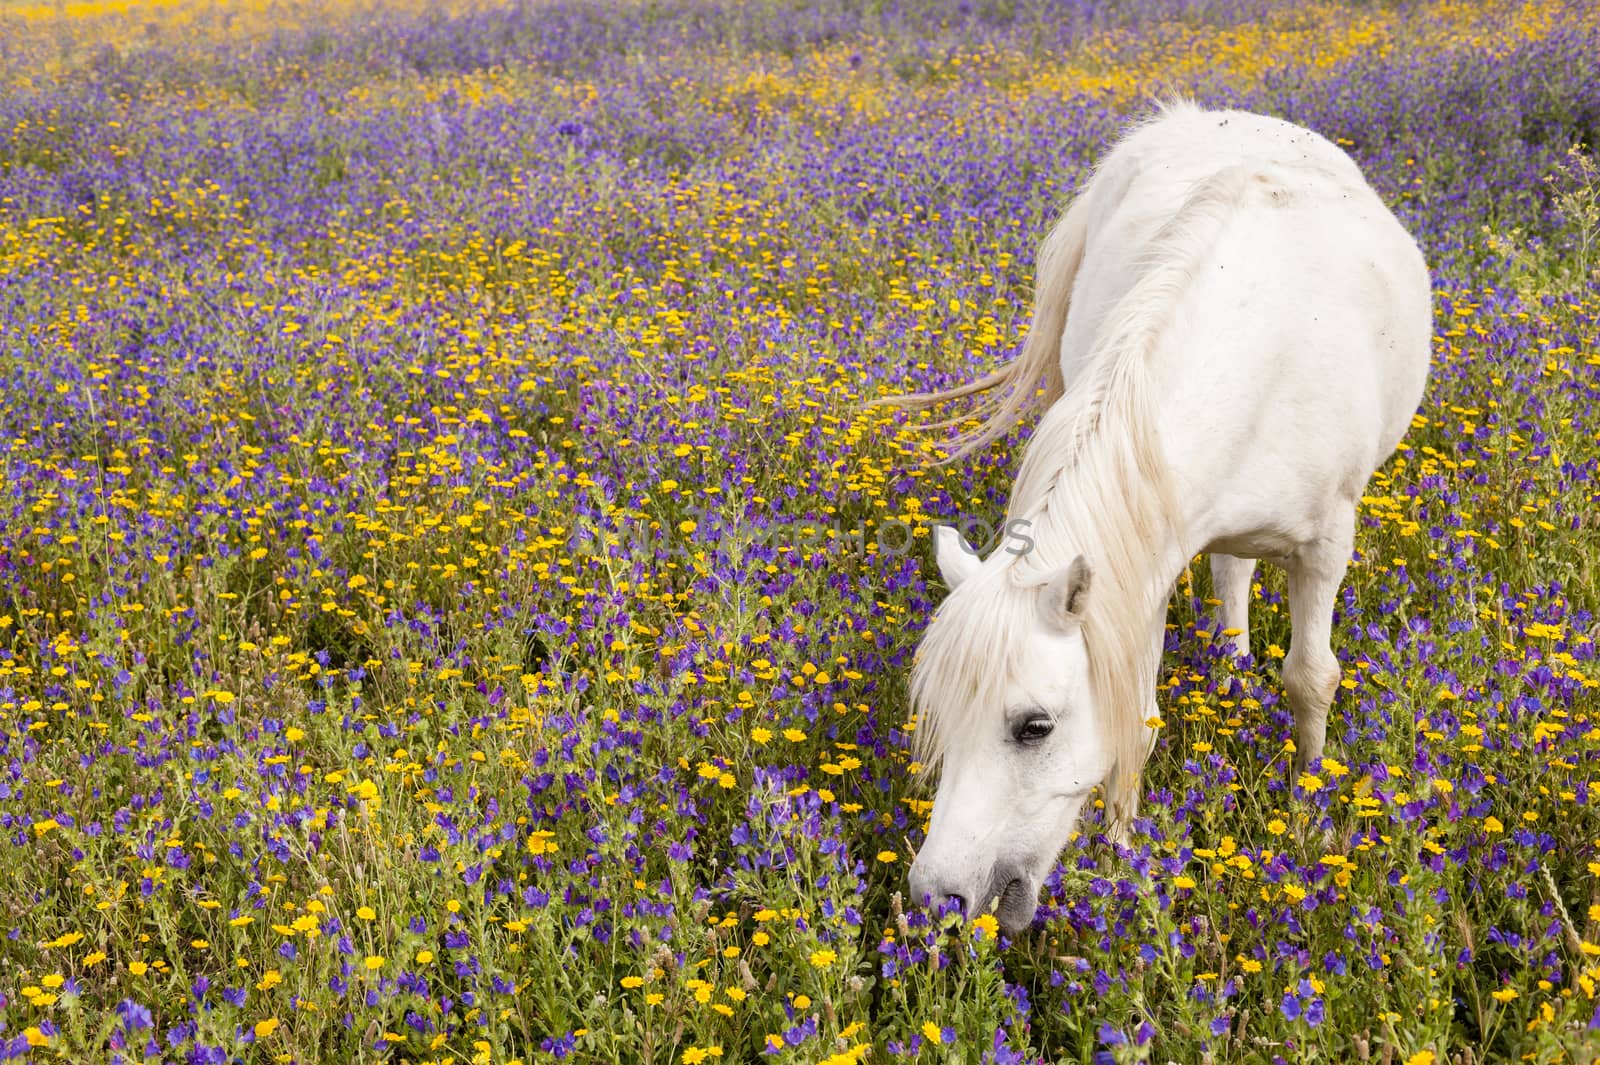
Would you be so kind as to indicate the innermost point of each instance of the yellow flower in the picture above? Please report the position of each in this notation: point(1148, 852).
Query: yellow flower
point(1505, 994)
point(366, 913)
point(931, 1033)
point(823, 958)
point(852, 1056)
point(375, 961)
point(266, 1027)
point(986, 924)
point(887, 856)
point(424, 957)
point(1421, 1057)
point(695, 1055)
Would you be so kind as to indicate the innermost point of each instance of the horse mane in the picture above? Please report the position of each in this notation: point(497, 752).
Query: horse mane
point(1093, 481)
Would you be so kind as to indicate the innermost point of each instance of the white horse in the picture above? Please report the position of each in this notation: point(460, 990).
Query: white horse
point(1248, 339)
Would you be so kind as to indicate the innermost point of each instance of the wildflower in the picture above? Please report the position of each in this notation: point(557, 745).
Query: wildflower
point(696, 1055)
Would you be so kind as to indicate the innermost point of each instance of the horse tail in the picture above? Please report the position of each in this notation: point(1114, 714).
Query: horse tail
point(1018, 381)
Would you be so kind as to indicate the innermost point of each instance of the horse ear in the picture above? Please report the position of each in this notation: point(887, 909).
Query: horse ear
point(957, 559)
point(1063, 599)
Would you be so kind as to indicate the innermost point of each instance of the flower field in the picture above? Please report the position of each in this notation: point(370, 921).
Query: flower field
point(455, 600)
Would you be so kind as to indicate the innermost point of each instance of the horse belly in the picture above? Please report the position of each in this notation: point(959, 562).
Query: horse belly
point(1297, 360)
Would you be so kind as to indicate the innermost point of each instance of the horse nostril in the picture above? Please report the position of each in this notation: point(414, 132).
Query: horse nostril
point(933, 890)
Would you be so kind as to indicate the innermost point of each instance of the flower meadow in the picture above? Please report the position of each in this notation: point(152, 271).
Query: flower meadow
point(455, 597)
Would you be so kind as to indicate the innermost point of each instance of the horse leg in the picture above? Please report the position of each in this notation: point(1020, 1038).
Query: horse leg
point(1231, 578)
point(1311, 672)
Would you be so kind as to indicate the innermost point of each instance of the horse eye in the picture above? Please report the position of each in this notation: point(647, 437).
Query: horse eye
point(1033, 730)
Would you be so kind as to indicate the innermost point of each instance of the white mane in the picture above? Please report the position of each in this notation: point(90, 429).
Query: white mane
point(1093, 482)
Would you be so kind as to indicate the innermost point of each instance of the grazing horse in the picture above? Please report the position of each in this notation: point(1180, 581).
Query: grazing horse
point(1232, 332)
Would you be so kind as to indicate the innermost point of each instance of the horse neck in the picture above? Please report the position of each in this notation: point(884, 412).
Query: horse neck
point(1115, 506)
